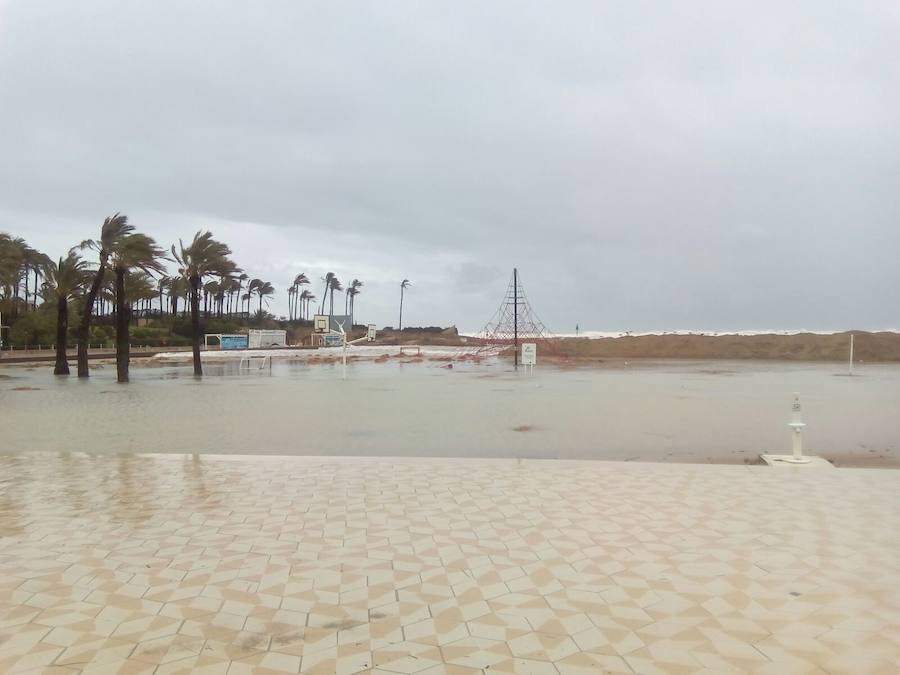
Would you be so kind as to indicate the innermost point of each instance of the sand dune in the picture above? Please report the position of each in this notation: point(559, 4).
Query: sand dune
point(869, 347)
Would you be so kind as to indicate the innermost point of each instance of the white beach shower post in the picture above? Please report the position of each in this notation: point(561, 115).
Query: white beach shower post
point(796, 425)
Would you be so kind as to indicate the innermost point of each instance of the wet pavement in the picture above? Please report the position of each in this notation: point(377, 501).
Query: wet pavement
point(213, 564)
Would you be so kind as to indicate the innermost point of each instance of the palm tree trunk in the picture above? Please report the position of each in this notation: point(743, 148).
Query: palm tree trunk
point(195, 324)
point(123, 349)
point(62, 329)
point(401, 309)
point(84, 327)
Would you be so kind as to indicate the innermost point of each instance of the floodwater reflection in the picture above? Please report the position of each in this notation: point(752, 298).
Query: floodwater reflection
point(663, 411)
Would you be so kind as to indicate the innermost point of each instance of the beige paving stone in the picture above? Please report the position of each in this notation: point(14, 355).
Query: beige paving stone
point(202, 664)
point(96, 650)
point(475, 652)
point(266, 663)
point(225, 565)
point(407, 657)
point(167, 649)
point(586, 663)
point(39, 655)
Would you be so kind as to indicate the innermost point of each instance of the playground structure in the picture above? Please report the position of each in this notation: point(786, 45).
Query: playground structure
point(514, 321)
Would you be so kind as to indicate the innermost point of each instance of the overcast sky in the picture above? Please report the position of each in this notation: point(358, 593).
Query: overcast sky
point(646, 165)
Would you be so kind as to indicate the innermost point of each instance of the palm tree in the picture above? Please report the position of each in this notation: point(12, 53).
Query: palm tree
point(300, 280)
point(403, 286)
point(113, 232)
point(64, 280)
point(240, 279)
point(291, 291)
point(139, 288)
point(264, 290)
point(28, 261)
point(335, 285)
point(210, 290)
point(34, 262)
point(252, 287)
point(178, 288)
point(203, 257)
point(234, 293)
point(309, 298)
point(162, 285)
point(327, 279)
point(134, 252)
point(301, 301)
point(13, 253)
point(354, 290)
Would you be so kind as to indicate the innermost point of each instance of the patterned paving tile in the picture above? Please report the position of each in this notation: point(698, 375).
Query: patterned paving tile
point(226, 565)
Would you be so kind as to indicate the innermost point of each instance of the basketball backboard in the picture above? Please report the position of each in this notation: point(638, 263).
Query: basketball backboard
point(320, 323)
point(338, 321)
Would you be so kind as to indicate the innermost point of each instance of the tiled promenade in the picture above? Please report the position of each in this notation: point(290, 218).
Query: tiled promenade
point(181, 564)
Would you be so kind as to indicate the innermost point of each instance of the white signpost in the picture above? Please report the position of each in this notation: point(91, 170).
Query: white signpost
point(529, 355)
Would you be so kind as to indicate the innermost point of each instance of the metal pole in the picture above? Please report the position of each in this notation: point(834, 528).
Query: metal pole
point(344, 354)
point(516, 315)
point(851, 354)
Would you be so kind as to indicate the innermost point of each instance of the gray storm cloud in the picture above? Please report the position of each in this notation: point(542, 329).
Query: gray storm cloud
point(645, 165)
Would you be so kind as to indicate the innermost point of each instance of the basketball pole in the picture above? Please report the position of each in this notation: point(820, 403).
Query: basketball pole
point(516, 316)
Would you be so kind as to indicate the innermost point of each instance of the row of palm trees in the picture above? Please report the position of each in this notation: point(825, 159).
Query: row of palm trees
point(332, 284)
point(130, 275)
point(22, 271)
point(131, 258)
point(21, 268)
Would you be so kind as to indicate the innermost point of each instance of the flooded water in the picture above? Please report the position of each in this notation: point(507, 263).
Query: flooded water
point(669, 411)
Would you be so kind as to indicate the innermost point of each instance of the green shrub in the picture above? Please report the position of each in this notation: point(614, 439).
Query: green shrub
point(34, 328)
